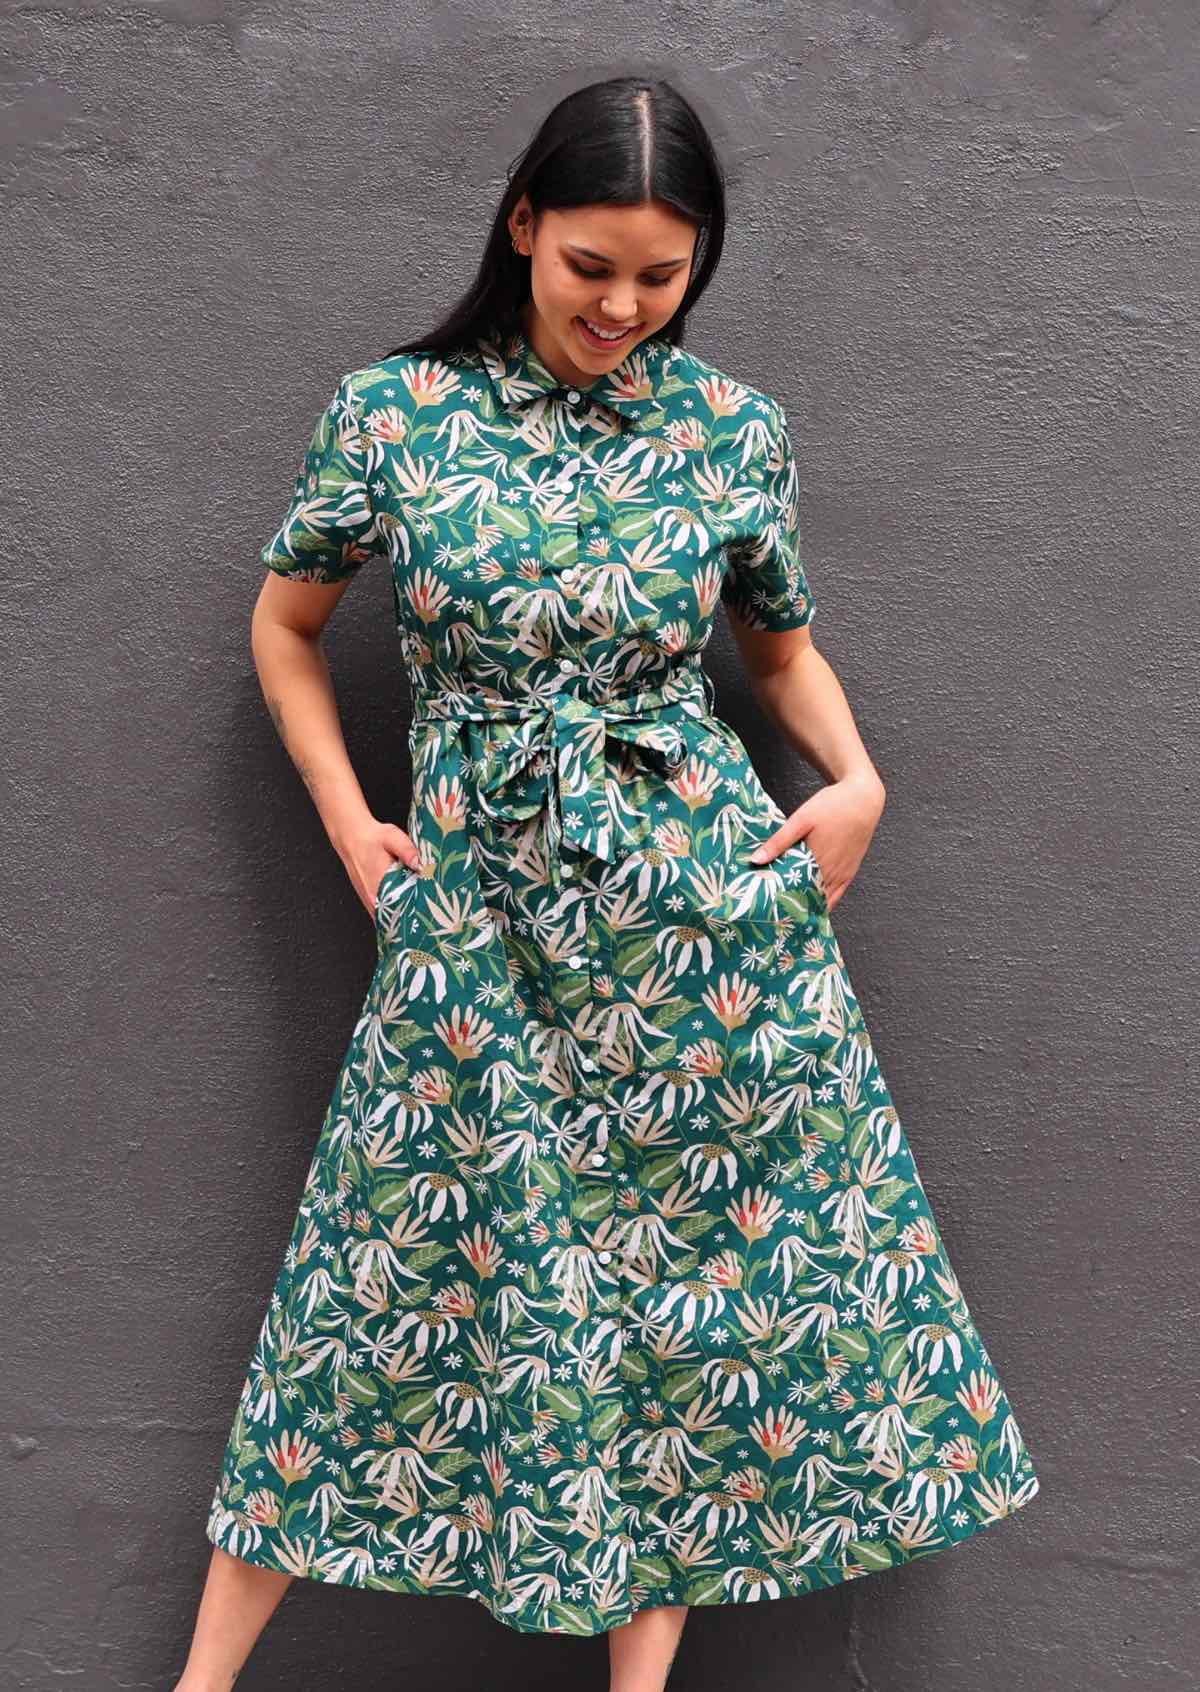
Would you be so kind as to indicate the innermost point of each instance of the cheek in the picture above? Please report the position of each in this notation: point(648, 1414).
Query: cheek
point(663, 303)
point(563, 280)
point(563, 296)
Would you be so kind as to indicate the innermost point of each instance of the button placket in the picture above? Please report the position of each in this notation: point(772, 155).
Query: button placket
point(567, 455)
point(569, 463)
point(564, 533)
point(599, 1160)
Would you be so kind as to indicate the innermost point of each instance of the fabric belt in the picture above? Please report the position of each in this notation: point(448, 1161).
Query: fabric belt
point(550, 751)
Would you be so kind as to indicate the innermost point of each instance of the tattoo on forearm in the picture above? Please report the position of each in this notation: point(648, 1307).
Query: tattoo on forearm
point(307, 777)
point(275, 707)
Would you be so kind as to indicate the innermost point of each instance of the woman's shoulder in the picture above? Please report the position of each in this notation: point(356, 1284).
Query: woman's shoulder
point(403, 377)
point(719, 387)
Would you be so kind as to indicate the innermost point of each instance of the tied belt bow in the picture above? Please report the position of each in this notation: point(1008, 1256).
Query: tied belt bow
point(549, 753)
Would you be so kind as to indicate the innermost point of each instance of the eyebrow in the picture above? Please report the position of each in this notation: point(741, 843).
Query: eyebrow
point(659, 264)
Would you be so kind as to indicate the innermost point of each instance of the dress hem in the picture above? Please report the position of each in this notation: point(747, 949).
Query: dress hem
point(826, 1576)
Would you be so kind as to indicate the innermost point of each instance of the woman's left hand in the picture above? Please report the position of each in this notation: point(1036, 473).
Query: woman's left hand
point(837, 823)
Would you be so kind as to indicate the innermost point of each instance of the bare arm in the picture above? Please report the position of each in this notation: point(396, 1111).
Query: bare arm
point(799, 692)
point(285, 637)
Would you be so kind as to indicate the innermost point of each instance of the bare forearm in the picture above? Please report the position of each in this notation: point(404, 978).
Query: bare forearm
point(298, 689)
point(805, 700)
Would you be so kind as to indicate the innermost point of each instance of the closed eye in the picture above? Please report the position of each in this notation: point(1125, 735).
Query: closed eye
point(654, 281)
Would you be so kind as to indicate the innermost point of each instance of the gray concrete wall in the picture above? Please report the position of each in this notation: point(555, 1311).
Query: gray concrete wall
point(963, 251)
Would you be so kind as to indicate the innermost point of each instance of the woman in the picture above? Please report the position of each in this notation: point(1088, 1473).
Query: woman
point(614, 1288)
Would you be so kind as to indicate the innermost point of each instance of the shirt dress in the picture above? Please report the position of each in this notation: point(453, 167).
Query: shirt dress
point(613, 1281)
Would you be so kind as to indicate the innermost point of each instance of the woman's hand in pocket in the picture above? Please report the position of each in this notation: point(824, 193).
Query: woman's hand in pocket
point(370, 853)
point(836, 823)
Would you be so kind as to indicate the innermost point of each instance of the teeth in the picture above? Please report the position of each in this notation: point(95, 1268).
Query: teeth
point(606, 334)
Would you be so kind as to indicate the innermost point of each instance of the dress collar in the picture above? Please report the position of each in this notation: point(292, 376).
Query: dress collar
point(633, 389)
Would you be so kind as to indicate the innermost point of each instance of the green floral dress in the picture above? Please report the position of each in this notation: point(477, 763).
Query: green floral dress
point(613, 1282)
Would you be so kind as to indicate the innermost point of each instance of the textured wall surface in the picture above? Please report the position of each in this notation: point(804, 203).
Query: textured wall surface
point(963, 251)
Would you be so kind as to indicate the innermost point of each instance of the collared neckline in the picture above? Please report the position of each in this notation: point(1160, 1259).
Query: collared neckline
point(519, 378)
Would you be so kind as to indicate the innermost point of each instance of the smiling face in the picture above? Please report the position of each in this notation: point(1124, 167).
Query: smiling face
point(600, 267)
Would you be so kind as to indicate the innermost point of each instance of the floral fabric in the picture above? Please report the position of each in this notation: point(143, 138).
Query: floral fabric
point(613, 1281)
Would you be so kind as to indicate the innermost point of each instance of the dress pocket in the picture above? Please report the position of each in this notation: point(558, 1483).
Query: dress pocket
point(802, 886)
point(390, 883)
point(787, 889)
point(793, 887)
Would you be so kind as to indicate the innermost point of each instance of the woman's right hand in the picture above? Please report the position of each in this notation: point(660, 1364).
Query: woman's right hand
point(370, 853)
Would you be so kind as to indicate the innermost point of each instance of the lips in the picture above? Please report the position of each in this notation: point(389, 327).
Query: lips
point(604, 343)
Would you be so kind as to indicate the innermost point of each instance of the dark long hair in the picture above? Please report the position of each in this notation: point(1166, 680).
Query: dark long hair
point(621, 142)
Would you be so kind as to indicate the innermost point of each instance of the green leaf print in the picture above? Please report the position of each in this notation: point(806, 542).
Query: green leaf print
point(510, 518)
point(887, 1193)
point(569, 1618)
point(709, 1589)
point(563, 1400)
point(851, 1343)
point(415, 1407)
point(662, 1172)
point(361, 1388)
point(605, 1423)
point(682, 1384)
point(632, 525)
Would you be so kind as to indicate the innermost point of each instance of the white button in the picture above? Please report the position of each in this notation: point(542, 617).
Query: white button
point(568, 578)
point(572, 393)
point(577, 962)
point(586, 1063)
point(597, 1157)
point(604, 1256)
point(568, 666)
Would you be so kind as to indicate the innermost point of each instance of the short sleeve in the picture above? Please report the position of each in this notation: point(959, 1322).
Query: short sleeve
point(329, 530)
point(764, 583)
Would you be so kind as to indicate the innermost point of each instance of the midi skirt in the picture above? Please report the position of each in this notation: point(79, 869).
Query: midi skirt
point(613, 1282)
